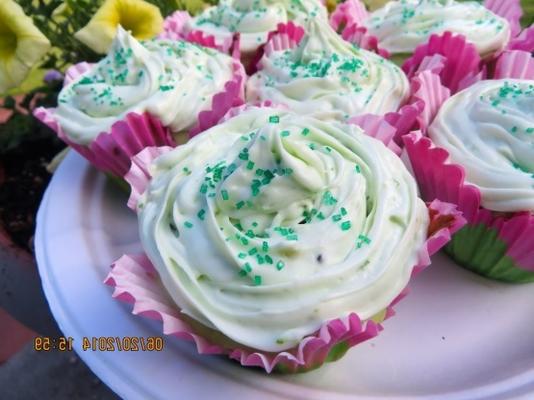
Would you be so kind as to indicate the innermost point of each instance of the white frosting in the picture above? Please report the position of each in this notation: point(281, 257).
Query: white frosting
point(329, 77)
point(401, 26)
point(488, 128)
point(264, 230)
point(254, 19)
point(171, 80)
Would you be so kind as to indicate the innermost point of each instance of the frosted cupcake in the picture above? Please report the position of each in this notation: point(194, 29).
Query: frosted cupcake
point(485, 134)
point(253, 19)
point(143, 93)
point(401, 26)
point(280, 239)
point(318, 72)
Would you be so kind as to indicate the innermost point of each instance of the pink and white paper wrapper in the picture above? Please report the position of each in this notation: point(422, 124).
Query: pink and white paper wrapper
point(111, 151)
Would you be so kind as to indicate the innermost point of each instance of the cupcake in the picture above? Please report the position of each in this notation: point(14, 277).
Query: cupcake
point(277, 239)
point(401, 26)
point(479, 154)
point(318, 72)
point(252, 19)
point(142, 94)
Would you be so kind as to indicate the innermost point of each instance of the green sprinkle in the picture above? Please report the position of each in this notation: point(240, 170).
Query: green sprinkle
point(250, 165)
point(239, 204)
point(201, 214)
point(224, 194)
point(250, 234)
point(242, 255)
point(274, 119)
point(312, 146)
point(336, 218)
point(257, 280)
point(252, 251)
point(259, 172)
point(186, 171)
point(285, 133)
point(268, 259)
point(320, 215)
point(358, 169)
point(343, 211)
point(329, 199)
point(188, 224)
point(203, 188)
point(244, 240)
point(265, 247)
point(529, 130)
point(305, 132)
point(254, 224)
point(260, 259)
point(247, 267)
point(242, 272)
point(345, 226)
point(279, 265)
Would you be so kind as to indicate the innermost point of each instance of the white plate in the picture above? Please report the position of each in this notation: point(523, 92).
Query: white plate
point(456, 336)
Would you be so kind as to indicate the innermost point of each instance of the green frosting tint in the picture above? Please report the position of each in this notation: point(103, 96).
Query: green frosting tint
point(479, 249)
point(268, 225)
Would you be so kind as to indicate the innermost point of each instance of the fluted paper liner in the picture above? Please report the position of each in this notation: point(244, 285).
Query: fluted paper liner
point(135, 281)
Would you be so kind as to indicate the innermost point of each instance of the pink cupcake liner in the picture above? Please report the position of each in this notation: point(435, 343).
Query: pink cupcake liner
point(510, 10)
point(525, 41)
point(232, 95)
point(174, 26)
point(514, 64)
point(350, 12)
point(358, 35)
point(441, 179)
point(75, 71)
point(111, 151)
point(459, 59)
point(135, 281)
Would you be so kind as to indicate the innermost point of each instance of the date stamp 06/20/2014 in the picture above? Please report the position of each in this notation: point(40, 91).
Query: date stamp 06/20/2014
point(100, 343)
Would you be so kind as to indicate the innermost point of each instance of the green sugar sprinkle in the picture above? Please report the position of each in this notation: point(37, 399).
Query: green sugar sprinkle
point(362, 239)
point(329, 199)
point(312, 146)
point(203, 188)
point(268, 259)
point(358, 169)
point(260, 259)
point(336, 217)
point(247, 267)
point(252, 251)
point(345, 226)
point(242, 255)
point(244, 240)
point(250, 165)
point(259, 172)
point(242, 272)
point(305, 132)
point(514, 129)
point(257, 280)
point(188, 224)
point(321, 216)
point(244, 154)
point(224, 194)
point(186, 171)
point(265, 247)
point(280, 265)
point(239, 204)
point(254, 224)
point(250, 234)
point(285, 133)
point(343, 211)
point(529, 130)
point(201, 214)
point(274, 119)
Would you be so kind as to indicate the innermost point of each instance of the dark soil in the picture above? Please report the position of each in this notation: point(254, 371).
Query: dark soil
point(23, 180)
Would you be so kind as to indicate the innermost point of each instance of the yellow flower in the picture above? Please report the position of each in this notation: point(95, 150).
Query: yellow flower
point(142, 19)
point(21, 45)
point(374, 4)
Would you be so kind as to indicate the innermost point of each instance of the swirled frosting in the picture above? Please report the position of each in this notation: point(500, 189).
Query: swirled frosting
point(172, 80)
point(488, 128)
point(254, 19)
point(271, 223)
point(327, 76)
point(401, 26)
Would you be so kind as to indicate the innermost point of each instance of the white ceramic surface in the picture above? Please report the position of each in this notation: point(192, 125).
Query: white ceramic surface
point(456, 336)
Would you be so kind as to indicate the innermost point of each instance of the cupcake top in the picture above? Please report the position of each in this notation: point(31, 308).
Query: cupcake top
point(488, 128)
point(270, 224)
point(254, 19)
point(401, 26)
point(330, 77)
point(172, 80)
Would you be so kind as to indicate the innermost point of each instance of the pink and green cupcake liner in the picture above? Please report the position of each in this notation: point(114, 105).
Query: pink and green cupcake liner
point(112, 151)
point(135, 281)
